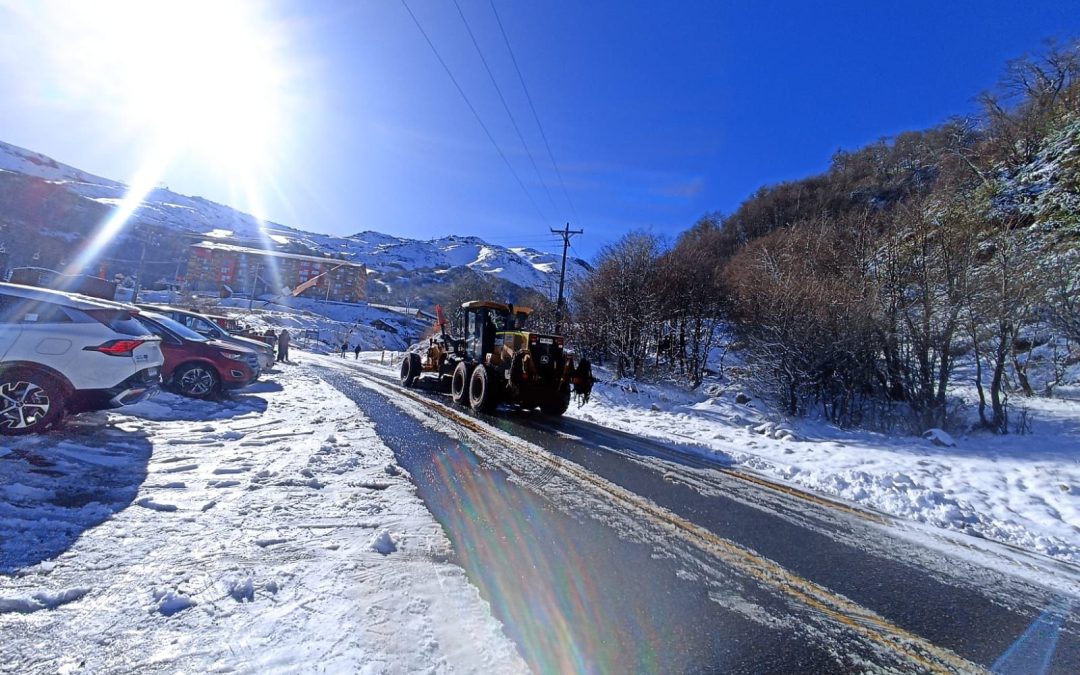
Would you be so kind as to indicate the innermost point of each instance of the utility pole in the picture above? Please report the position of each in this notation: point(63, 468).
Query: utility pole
point(565, 233)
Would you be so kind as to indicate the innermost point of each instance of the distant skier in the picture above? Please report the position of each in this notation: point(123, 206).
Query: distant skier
point(356, 350)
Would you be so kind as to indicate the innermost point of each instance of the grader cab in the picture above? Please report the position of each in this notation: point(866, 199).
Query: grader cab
point(499, 360)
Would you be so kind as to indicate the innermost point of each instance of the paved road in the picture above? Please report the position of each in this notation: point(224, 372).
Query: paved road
point(603, 552)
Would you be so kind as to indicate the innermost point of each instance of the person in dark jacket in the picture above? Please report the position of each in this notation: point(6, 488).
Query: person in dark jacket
point(356, 351)
point(283, 346)
point(344, 347)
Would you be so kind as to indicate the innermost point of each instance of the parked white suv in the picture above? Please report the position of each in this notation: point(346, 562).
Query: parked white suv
point(64, 352)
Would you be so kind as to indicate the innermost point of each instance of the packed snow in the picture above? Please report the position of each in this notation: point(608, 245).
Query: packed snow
point(271, 531)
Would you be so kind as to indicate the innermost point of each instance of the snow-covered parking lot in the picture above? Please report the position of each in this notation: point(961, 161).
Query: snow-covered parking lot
point(269, 532)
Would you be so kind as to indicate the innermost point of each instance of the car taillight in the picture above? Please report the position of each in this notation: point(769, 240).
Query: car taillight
point(116, 347)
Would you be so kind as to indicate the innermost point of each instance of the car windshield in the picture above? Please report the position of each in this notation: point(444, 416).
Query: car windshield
point(217, 326)
point(175, 327)
point(204, 325)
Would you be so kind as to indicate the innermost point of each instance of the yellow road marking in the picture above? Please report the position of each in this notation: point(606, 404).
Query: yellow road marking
point(805, 496)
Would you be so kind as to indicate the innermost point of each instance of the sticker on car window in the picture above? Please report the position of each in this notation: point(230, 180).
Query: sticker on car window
point(30, 317)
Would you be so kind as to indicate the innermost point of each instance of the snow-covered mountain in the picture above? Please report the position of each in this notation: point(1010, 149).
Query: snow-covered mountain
point(32, 184)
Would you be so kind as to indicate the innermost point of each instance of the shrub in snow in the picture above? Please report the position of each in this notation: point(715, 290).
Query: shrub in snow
point(939, 437)
point(784, 435)
point(742, 399)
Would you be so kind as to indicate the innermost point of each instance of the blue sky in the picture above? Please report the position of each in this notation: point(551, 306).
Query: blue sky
point(656, 112)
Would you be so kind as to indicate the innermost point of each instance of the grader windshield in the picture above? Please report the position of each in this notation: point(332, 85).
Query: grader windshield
point(483, 320)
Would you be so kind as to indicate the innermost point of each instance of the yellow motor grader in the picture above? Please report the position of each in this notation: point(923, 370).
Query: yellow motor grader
point(499, 361)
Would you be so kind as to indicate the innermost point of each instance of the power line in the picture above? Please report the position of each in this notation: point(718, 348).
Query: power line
point(473, 109)
point(505, 105)
point(532, 107)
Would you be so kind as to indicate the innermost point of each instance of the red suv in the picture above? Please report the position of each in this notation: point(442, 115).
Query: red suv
point(198, 367)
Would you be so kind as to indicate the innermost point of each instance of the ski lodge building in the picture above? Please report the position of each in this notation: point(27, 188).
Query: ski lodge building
point(212, 265)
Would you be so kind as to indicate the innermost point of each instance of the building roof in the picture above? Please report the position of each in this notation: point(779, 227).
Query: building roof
point(233, 248)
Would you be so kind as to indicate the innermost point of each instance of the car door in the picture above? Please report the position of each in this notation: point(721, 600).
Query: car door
point(10, 325)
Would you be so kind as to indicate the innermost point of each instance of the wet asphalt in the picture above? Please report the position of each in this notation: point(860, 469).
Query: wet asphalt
point(581, 587)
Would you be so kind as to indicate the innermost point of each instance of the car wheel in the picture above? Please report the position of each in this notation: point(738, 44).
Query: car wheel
point(30, 402)
point(196, 380)
point(459, 384)
point(483, 395)
point(410, 369)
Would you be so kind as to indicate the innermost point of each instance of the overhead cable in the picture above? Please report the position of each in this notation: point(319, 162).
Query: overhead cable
point(505, 105)
point(532, 107)
point(472, 108)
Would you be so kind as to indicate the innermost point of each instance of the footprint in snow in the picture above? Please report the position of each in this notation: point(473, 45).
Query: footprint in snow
point(180, 469)
point(270, 541)
point(168, 603)
point(148, 503)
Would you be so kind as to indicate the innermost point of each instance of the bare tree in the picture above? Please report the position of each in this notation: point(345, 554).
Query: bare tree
point(923, 273)
point(692, 306)
point(1033, 94)
point(621, 300)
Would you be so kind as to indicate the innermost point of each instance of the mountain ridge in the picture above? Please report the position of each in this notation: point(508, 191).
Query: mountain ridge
point(88, 199)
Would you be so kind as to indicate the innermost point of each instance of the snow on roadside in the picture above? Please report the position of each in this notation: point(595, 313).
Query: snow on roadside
point(1021, 490)
point(271, 532)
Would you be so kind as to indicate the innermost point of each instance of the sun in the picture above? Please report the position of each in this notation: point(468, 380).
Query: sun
point(199, 85)
point(202, 78)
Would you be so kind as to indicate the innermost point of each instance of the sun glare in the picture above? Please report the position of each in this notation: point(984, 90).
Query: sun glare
point(202, 83)
point(204, 77)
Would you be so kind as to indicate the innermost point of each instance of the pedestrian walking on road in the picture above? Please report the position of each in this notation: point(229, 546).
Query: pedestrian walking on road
point(283, 346)
point(357, 351)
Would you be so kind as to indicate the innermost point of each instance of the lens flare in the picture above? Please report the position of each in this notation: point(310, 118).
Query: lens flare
point(555, 624)
point(143, 182)
point(1033, 651)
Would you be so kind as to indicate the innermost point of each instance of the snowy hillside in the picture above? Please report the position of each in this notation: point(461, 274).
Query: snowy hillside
point(383, 254)
point(162, 206)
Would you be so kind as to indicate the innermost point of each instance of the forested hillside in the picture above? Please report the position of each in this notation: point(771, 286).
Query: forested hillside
point(863, 293)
